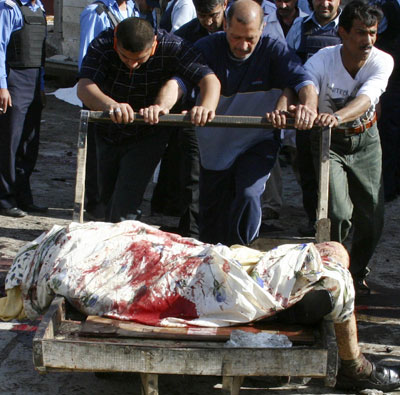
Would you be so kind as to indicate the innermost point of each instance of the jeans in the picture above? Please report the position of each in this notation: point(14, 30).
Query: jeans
point(356, 194)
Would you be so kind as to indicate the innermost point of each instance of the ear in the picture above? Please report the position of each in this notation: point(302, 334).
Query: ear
point(342, 32)
point(154, 46)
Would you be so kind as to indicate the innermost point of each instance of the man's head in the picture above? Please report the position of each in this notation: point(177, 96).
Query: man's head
point(210, 13)
point(146, 6)
point(285, 8)
point(325, 10)
point(243, 26)
point(134, 42)
point(358, 27)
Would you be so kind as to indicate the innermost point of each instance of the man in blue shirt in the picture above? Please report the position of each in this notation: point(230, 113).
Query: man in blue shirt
point(235, 163)
point(22, 54)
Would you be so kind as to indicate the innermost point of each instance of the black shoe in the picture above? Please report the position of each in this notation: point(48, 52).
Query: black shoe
point(382, 378)
point(13, 212)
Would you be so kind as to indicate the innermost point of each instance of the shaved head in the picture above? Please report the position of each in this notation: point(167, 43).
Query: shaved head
point(245, 12)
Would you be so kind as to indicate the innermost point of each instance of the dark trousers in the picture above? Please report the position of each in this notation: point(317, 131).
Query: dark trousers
point(177, 190)
point(389, 129)
point(230, 200)
point(124, 171)
point(356, 193)
point(308, 177)
point(19, 137)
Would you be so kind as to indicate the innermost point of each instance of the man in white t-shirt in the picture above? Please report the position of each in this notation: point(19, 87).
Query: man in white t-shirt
point(350, 79)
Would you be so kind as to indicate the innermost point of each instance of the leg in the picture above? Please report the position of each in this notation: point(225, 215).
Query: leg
point(272, 196)
point(22, 85)
point(251, 171)
point(188, 224)
point(28, 151)
point(216, 191)
point(366, 192)
point(137, 163)
point(93, 205)
point(340, 205)
point(308, 176)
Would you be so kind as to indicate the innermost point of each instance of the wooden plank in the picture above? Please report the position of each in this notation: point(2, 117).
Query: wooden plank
point(105, 327)
point(149, 384)
point(47, 329)
point(232, 384)
point(329, 342)
point(323, 222)
point(80, 169)
point(113, 357)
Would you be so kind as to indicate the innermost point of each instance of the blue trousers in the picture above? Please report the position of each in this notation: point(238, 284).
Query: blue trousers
point(230, 200)
point(19, 137)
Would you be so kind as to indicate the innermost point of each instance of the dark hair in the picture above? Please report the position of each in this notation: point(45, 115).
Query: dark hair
point(135, 34)
point(232, 12)
point(207, 6)
point(369, 15)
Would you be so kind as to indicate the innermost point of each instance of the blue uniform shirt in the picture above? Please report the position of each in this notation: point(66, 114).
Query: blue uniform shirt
point(293, 38)
point(92, 24)
point(11, 19)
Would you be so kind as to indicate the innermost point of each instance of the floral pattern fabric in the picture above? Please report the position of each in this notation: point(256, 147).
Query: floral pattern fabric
point(133, 271)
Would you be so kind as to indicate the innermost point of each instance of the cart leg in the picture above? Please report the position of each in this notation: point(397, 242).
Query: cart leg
point(231, 384)
point(149, 383)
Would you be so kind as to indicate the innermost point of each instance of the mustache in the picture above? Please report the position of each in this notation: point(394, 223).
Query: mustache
point(368, 46)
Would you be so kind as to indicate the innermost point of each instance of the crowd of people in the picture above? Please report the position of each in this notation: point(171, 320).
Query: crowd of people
point(316, 62)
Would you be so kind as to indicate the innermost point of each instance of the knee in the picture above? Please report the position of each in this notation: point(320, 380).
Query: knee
point(334, 250)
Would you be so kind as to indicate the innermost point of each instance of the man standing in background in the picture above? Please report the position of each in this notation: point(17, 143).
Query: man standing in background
point(22, 56)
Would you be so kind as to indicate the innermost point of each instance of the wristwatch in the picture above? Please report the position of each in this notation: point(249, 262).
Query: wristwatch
point(338, 117)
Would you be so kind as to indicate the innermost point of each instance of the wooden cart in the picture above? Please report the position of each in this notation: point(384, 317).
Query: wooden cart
point(63, 344)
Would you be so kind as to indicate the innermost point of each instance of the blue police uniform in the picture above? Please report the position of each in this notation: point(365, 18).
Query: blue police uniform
point(22, 54)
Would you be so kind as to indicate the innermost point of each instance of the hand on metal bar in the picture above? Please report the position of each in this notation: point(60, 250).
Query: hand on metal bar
point(304, 117)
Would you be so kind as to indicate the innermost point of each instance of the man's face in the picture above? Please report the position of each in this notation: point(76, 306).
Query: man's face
point(242, 39)
point(212, 21)
point(325, 10)
point(359, 40)
point(285, 8)
point(133, 60)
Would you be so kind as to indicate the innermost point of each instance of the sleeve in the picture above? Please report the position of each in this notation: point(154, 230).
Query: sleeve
point(314, 67)
point(293, 36)
point(190, 65)
point(286, 69)
point(10, 20)
point(182, 13)
point(380, 70)
point(96, 63)
point(91, 25)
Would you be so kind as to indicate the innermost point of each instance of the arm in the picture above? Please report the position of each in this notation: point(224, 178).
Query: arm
point(210, 90)
point(303, 107)
point(168, 95)
point(10, 20)
point(350, 112)
point(95, 99)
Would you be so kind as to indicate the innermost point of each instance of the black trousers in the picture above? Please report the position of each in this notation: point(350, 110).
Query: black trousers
point(19, 137)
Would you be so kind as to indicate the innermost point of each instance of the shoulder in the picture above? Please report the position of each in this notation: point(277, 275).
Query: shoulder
point(187, 28)
point(7, 5)
point(215, 40)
